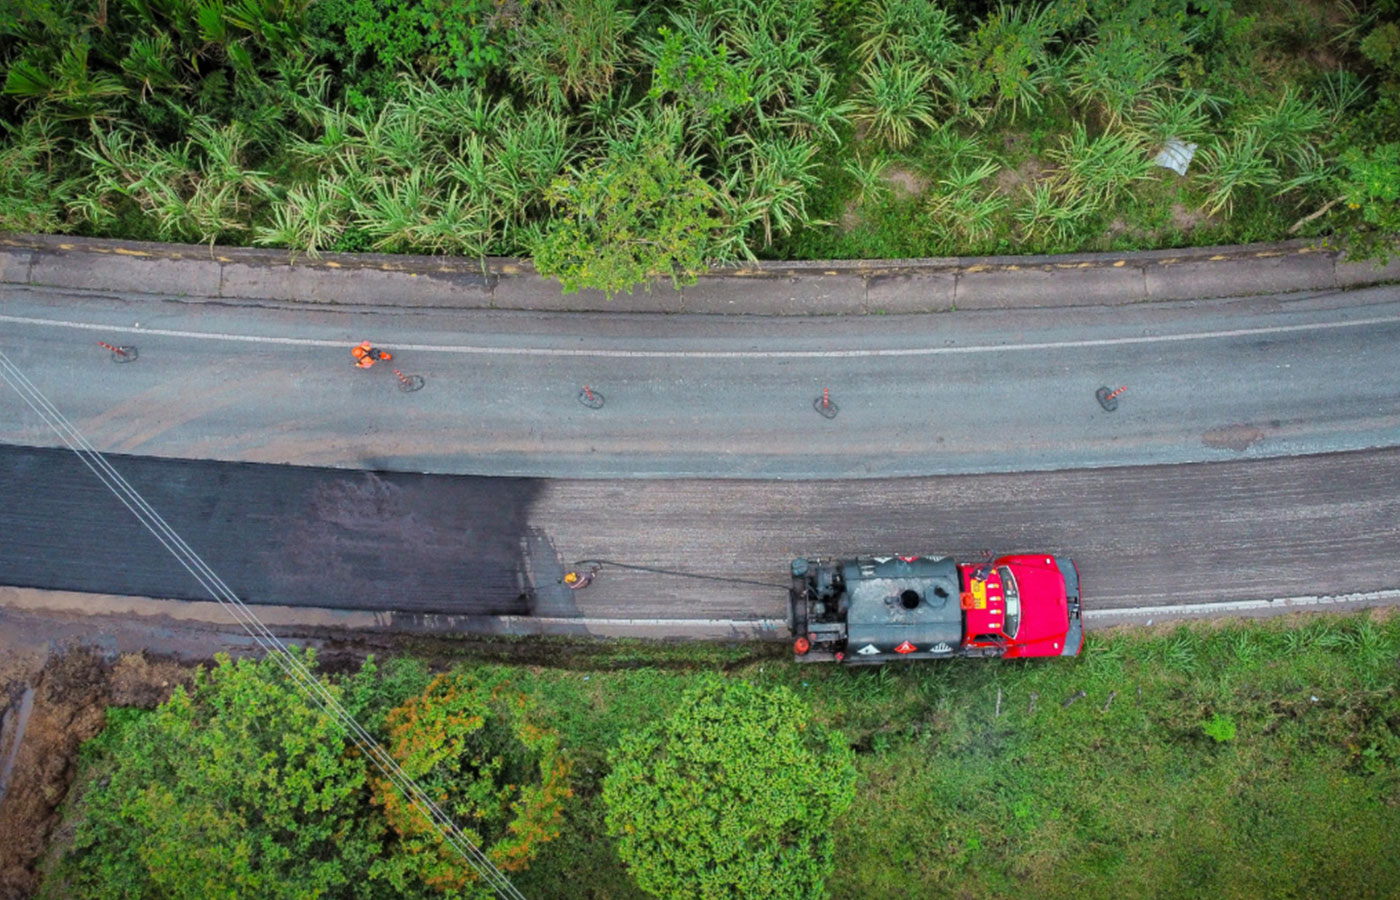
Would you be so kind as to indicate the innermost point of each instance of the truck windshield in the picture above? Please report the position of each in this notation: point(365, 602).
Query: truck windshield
point(1013, 601)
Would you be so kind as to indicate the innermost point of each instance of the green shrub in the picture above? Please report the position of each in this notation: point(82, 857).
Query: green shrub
point(627, 219)
point(731, 797)
point(455, 39)
point(32, 190)
point(893, 101)
point(1370, 183)
point(570, 50)
point(237, 788)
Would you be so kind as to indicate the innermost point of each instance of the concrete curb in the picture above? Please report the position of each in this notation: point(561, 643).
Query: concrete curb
point(827, 287)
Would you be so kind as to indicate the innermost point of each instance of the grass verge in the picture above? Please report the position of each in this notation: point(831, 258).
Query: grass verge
point(1252, 759)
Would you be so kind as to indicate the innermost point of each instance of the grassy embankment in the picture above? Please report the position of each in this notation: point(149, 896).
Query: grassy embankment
point(1251, 760)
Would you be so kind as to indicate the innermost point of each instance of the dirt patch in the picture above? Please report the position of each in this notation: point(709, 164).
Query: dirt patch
point(69, 692)
point(1009, 181)
point(1232, 437)
point(851, 219)
point(146, 682)
point(905, 183)
point(1187, 220)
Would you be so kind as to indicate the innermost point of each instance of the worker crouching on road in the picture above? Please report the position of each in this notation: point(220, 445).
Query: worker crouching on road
point(366, 356)
point(577, 581)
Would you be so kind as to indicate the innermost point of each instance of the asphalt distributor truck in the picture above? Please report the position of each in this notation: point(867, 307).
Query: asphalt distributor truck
point(874, 609)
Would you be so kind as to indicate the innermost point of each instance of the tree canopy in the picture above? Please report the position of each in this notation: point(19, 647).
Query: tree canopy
point(731, 798)
point(240, 788)
point(237, 788)
point(501, 779)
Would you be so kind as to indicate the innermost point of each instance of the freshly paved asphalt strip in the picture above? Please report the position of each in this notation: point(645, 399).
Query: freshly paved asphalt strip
point(713, 396)
point(352, 540)
point(443, 549)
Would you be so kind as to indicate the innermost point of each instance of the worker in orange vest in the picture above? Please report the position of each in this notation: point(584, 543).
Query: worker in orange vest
point(366, 355)
point(577, 581)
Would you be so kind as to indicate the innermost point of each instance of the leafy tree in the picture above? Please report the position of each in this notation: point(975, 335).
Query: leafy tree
point(731, 798)
point(502, 780)
point(627, 219)
point(237, 788)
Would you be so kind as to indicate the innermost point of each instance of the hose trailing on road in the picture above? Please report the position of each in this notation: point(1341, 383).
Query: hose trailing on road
point(584, 563)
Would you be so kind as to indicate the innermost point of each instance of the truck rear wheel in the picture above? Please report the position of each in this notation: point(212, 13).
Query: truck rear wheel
point(797, 614)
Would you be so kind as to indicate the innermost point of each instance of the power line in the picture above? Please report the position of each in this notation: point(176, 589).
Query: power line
point(293, 667)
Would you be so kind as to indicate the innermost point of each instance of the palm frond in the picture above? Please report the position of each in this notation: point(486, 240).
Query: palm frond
point(1234, 163)
point(893, 102)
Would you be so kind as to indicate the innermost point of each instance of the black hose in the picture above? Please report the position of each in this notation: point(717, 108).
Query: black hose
point(678, 574)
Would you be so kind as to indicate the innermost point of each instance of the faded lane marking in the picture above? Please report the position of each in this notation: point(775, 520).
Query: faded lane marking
point(1242, 606)
point(718, 354)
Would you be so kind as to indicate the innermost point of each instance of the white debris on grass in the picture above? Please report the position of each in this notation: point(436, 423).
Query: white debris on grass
point(1176, 156)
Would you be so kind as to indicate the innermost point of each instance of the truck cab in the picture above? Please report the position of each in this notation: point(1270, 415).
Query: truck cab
point(873, 609)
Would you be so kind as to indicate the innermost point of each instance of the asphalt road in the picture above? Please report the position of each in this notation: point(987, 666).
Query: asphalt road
point(715, 397)
point(467, 546)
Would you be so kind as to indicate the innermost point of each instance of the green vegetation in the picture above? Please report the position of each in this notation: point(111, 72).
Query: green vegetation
point(1252, 760)
point(239, 788)
point(775, 128)
point(732, 797)
point(500, 778)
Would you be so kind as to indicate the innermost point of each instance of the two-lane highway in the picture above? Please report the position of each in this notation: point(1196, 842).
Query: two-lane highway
point(1236, 468)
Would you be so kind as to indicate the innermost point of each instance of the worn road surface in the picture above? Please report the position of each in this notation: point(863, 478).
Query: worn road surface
point(714, 396)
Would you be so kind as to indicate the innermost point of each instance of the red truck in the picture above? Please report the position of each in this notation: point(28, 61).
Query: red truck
point(874, 609)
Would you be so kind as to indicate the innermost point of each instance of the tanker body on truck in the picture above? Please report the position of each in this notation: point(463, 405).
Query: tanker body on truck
point(874, 609)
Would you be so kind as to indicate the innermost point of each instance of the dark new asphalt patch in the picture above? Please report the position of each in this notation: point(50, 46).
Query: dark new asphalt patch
point(275, 534)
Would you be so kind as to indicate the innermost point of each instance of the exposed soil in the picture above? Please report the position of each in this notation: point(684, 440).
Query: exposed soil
point(70, 690)
point(904, 182)
point(1009, 181)
point(1187, 220)
point(851, 218)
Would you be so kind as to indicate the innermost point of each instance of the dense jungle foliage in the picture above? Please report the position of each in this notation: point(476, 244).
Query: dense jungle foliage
point(616, 141)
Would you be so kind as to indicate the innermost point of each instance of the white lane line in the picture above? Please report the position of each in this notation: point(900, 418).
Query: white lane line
point(716, 354)
point(1239, 606)
point(781, 625)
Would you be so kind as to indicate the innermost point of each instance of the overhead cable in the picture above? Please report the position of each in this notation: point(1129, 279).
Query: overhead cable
point(291, 665)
